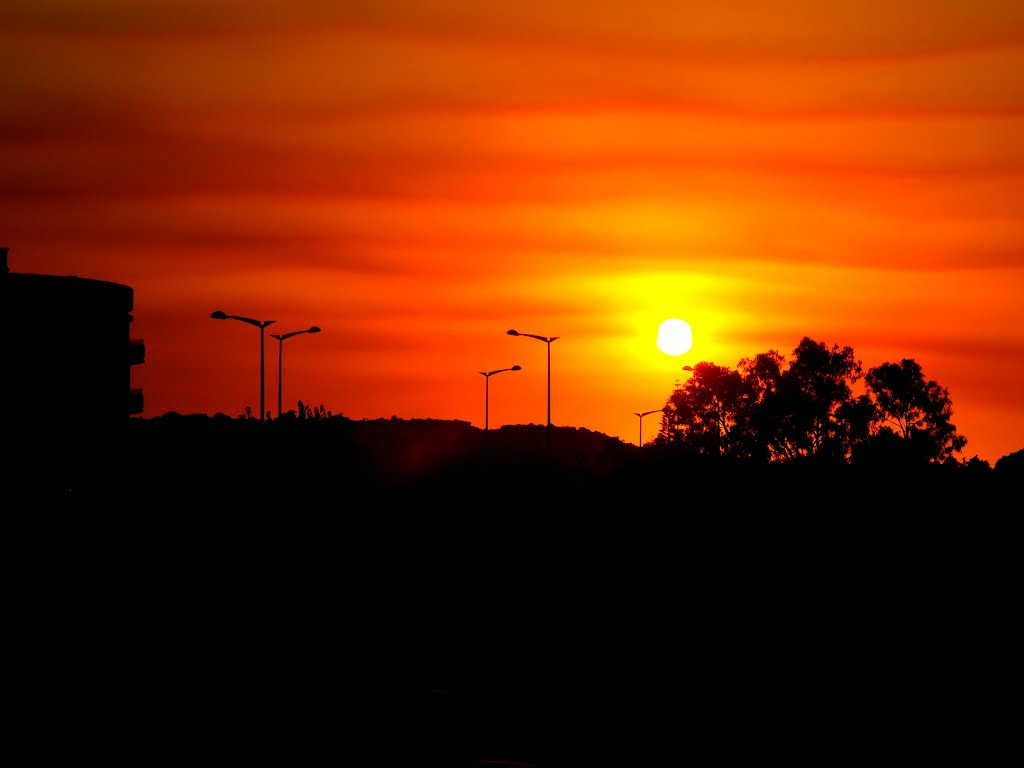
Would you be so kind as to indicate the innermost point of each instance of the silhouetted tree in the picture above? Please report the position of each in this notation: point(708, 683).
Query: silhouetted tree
point(916, 410)
point(761, 375)
point(768, 411)
point(705, 413)
point(804, 415)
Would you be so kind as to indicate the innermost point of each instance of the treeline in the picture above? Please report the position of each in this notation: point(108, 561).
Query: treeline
point(773, 410)
point(339, 463)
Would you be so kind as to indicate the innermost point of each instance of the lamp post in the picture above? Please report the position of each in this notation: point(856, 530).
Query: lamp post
point(641, 415)
point(685, 368)
point(261, 324)
point(280, 358)
point(547, 340)
point(487, 392)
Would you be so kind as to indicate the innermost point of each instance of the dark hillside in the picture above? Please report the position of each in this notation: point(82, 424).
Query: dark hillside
point(330, 588)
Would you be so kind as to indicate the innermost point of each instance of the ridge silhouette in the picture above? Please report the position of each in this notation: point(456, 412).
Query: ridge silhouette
point(285, 592)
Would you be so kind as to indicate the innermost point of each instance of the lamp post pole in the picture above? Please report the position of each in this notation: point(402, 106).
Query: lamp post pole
point(261, 324)
point(487, 392)
point(547, 340)
point(280, 358)
point(641, 415)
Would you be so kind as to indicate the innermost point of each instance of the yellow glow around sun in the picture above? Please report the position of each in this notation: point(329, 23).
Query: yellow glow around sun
point(674, 337)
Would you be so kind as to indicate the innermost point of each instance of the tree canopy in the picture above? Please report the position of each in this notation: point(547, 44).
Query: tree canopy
point(773, 409)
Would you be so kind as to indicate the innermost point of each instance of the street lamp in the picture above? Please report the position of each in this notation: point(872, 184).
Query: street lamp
point(685, 368)
point(641, 415)
point(547, 340)
point(261, 324)
point(487, 391)
point(280, 357)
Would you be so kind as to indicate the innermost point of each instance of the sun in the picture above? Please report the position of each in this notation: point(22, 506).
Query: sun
point(674, 337)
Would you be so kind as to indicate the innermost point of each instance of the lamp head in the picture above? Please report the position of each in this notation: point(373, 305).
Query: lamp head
point(218, 315)
point(512, 333)
point(314, 329)
point(516, 368)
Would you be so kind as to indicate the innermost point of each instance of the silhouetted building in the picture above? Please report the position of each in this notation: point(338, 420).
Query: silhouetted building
point(67, 392)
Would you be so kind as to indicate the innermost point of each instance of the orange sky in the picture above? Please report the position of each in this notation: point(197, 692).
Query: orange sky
point(418, 176)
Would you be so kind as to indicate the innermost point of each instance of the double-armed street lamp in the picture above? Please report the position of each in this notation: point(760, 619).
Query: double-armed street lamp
point(547, 340)
point(280, 358)
point(261, 324)
point(641, 415)
point(487, 391)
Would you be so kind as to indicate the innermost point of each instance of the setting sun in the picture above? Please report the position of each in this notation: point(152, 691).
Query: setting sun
point(674, 337)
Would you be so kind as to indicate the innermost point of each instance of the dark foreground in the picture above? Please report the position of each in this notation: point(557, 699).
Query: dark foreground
point(606, 612)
